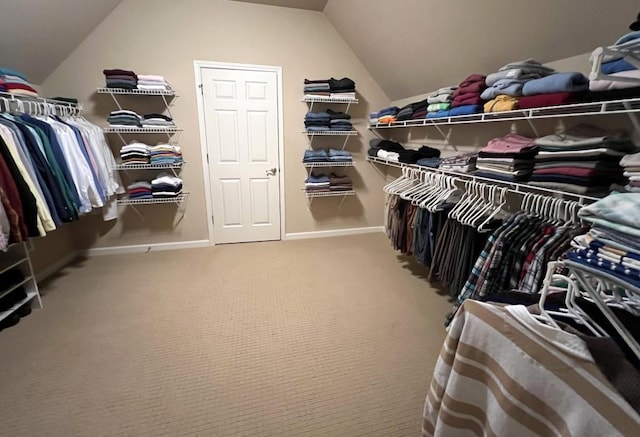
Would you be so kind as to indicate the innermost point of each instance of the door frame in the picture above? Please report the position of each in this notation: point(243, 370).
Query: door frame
point(197, 67)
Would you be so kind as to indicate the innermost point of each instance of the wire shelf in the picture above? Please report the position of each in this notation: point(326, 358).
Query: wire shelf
point(514, 187)
point(331, 133)
point(30, 295)
point(147, 166)
point(124, 91)
point(327, 99)
point(127, 201)
point(576, 110)
point(140, 130)
point(314, 194)
point(329, 164)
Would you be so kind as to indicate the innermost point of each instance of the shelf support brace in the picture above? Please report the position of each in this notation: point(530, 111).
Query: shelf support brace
point(166, 104)
point(533, 127)
point(446, 137)
point(632, 117)
point(113, 96)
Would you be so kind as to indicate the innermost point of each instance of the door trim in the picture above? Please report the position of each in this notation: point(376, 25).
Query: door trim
point(197, 67)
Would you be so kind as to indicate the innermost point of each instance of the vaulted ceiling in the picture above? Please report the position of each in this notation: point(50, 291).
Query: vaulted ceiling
point(409, 46)
point(37, 35)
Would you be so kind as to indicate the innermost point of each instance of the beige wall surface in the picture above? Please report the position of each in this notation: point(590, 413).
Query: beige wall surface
point(165, 37)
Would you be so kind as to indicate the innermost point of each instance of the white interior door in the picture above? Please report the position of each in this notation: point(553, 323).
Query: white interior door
point(241, 122)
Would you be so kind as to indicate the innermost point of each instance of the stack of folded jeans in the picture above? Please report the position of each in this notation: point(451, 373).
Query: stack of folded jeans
point(631, 166)
point(388, 115)
point(319, 155)
point(124, 118)
point(585, 160)
point(165, 154)
point(134, 153)
point(153, 82)
point(313, 88)
point(317, 121)
point(157, 120)
point(166, 186)
point(117, 78)
point(509, 158)
point(317, 183)
point(336, 155)
point(140, 190)
point(340, 183)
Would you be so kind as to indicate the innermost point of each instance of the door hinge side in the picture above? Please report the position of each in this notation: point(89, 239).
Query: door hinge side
point(201, 86)
point(207, 159)
point(213, 222)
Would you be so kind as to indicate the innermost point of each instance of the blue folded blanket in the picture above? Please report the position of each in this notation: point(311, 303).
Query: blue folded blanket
point(466, 110)
point(557, 83)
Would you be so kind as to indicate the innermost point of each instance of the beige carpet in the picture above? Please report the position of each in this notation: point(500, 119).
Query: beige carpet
point(326, 337)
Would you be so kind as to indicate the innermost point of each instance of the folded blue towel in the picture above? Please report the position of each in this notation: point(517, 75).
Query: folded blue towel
point(319, 153)
point(616, 66)
point(466, 110)
point(557, 83)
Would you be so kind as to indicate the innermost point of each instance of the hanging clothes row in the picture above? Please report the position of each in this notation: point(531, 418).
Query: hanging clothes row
point(53, 169)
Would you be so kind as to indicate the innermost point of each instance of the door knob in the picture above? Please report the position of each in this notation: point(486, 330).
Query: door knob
point(272, 171)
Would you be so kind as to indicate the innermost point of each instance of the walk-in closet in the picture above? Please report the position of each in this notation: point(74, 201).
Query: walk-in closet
point(319, 218)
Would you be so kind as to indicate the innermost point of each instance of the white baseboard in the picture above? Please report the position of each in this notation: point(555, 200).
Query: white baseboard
point(333, 233)
point(56, 266)
point(143, 248)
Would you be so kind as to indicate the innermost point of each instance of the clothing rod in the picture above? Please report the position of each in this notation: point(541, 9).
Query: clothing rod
point(56, 104)
point(513, 187)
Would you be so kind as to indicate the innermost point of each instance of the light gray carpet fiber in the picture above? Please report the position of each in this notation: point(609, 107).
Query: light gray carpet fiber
point(323, 337)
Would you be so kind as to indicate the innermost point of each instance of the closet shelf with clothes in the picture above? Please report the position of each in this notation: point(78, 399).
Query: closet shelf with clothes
point(145, 92)
point(180, 198)
point(330, 133)
point(329, 164)
point(314, 194)
point(619, 106)
point(514, 187)
point(141, 130)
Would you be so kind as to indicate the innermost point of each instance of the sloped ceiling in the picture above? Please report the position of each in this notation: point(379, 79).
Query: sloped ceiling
point(37, 35)
point(312, 5)
point(411, 47)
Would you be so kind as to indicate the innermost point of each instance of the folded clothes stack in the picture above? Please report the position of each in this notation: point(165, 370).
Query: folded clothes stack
point(388, 115)
point(374, 117)
point(337, 88)
point(14, 82)
point(506, 85)
point(337, 155)
point(342, 88)
point(134, 153)
point(412, 111)
point(157, 120)
point(339, 120)
point(585, 160)
point(165, 154)
point(118, 78)
point(140, 190)
point(631, 166)
point(392, 151)
point(166, 186)
point(439, 102)
point(313, 88)
point(317, 121)
point(614, 86)
point(611, 245)
point(124, 118)
point(319, 155)
point(555, 89)
point(509, 158)
point(467, 98)
point(317, 183)
point(153, 82)
point(462, 163)
point(340, 183)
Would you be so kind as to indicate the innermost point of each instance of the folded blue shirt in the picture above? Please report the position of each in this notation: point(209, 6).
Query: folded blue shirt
point(438, 114)
point(557, 83)
point(616, 66)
